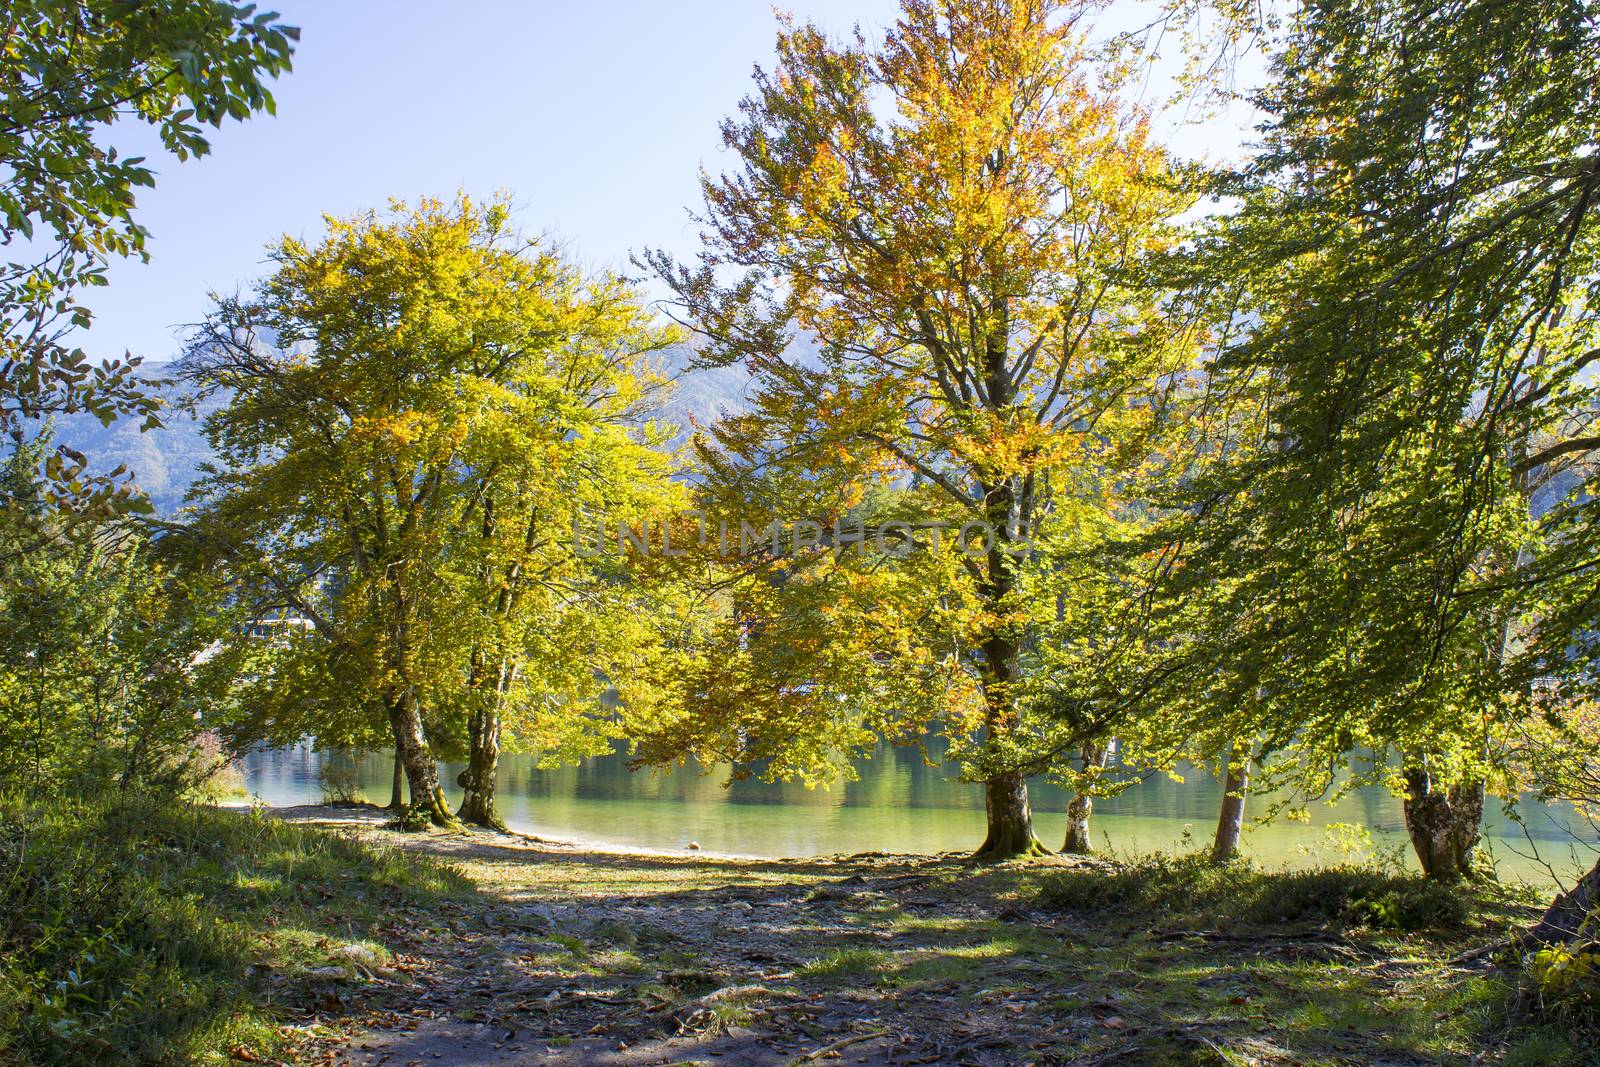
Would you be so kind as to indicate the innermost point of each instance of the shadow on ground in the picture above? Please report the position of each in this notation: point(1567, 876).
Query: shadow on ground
point(569, 956)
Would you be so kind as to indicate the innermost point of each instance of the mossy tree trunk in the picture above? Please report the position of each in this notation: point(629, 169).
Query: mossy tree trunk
point(477, 781)
point(1443, 822)
point(1005, 792)
point(1230, 821)
point(1005, 802)
point(422, 771)
point(483, 758)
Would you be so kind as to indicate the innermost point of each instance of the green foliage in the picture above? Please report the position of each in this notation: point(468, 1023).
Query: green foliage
point(1191, 890)
point(400, 480)
point(109, 672)
point(73, 73)
point(413, 819)
point(127, 926)
point(1561, 983)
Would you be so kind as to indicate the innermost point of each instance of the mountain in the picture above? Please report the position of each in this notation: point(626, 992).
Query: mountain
point(165, 462)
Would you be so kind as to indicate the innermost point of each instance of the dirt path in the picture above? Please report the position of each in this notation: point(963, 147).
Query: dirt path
point(565, 955)
point(574, 956)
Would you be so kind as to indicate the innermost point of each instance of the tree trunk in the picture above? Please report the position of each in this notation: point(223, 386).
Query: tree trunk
point(1079, 842)
point(483, 755)
point(422, 771)
point(397, 793)
point(1443, 823)
point(1230, 823)
point(1005, 801)
point(1573, 914)
point(1005, 792)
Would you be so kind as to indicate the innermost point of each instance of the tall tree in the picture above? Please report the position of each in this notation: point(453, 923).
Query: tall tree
point(401, 472)
point(957, 218)
point(1401, 558)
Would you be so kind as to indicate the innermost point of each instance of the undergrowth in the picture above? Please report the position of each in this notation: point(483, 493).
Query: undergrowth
point(147, 930)
point(1536, 1010)
point(1191, 891)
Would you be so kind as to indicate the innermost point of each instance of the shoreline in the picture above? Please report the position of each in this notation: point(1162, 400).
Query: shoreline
point(1512, 866)
point(366, 816)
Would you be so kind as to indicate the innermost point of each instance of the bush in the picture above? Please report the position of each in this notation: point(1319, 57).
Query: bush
point(1191, 889)
point(97, 962)
point(1561, 983)
point(341, 779)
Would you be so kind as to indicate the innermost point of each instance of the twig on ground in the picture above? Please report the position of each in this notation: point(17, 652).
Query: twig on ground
point(844, 1042)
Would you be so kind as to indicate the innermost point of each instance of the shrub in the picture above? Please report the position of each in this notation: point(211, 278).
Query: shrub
point(98, 962)
point(1191, 889)
point(341, 779)
point(413, 820)
point(1561, 983)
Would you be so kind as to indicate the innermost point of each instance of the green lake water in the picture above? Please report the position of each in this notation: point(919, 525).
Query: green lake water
point(900, 804)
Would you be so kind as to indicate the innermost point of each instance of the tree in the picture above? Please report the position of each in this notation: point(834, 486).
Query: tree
point(72, 73)
point(402, 474)
point(548, 624)
point(1094, 635)
point(1230, 820)
point(957, 218)
point(110, 668)
point(1397, 563)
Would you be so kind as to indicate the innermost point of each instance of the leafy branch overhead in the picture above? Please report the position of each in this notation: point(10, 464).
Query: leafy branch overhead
point(73, 76)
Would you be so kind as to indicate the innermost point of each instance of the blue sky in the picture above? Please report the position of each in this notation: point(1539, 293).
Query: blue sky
point(596, 116)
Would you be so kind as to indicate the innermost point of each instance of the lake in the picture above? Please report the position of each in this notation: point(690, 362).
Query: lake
point(900, 804)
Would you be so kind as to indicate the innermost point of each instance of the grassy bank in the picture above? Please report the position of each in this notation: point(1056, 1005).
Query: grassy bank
point(147, 930)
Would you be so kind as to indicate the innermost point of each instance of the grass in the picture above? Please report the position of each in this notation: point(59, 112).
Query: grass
point(1336, 965)
point(147, 930)
point(853, 962)
point(1191, 890)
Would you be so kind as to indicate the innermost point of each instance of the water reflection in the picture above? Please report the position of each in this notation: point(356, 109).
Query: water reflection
point(901, 804)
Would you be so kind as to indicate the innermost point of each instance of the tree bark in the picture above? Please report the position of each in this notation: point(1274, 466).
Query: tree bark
point(1443, 823)
point(422, 771)
point(477, 781)
point(1230, 822)
point(397, 792)
point(1573, 914)
point(1005, 801)
point(1079, 842)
